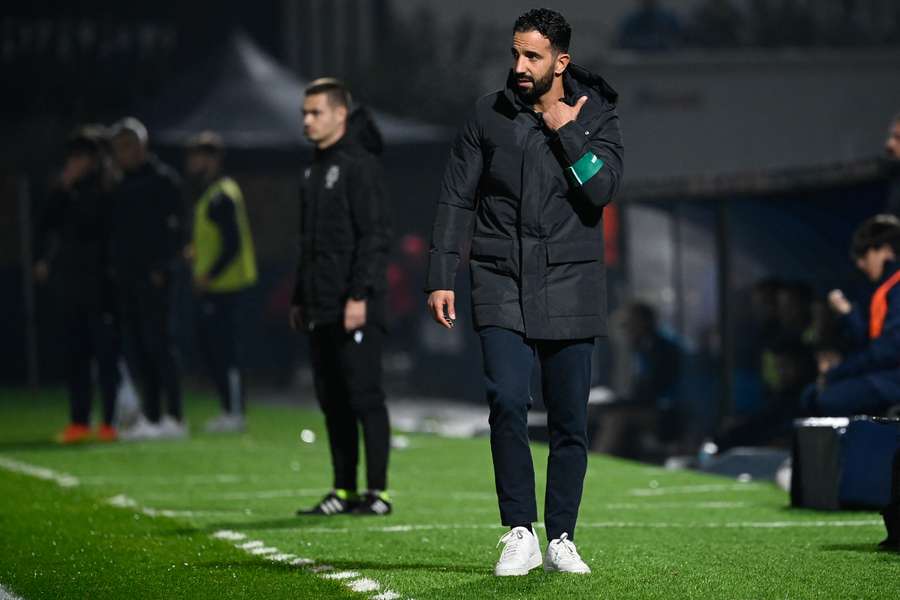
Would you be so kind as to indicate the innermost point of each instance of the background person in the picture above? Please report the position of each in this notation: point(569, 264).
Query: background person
point(147, 239)
point(224, 266)
point(73, 262)
point(339, 297)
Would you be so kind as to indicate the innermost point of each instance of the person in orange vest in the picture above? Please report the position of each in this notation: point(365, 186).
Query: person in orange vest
point(867, 379)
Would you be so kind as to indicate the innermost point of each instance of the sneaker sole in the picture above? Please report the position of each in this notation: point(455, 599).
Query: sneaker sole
point(534, 564)
point(551, 569)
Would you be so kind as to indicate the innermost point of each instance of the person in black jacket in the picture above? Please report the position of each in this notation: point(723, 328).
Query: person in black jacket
point(73, 262)
point(527, 180)
point(147, 243)
point(339, 296)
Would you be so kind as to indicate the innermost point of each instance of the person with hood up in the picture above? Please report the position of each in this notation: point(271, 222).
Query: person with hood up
point(526, 183)
point(339, 295)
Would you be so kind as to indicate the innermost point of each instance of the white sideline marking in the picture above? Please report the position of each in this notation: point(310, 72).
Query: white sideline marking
point(61, 479)
point(364, 585)
point(227, 534)
point(341, 575)
point(351, 579)
point(696, 489)
point(5, 594)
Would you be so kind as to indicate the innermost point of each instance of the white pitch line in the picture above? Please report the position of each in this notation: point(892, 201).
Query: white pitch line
point(351, 579)
point(696, 489)
point(5, 594)
point(61, 479)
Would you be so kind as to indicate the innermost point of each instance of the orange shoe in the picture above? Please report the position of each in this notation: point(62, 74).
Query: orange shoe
point(107, 433)
point(74, 433)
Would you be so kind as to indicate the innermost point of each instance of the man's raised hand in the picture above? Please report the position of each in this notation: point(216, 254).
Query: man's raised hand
point(561, 113)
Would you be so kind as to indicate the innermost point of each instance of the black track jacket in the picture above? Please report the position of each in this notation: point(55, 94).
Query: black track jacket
point(536, 225)
point(344, 228)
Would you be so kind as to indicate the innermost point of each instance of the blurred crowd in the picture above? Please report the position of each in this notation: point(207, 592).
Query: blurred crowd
point(760, 23)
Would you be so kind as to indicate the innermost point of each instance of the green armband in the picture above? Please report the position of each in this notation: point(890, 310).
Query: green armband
point(586, 167)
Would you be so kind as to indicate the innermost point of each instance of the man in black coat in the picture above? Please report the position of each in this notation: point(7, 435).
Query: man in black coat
point(73, 261)
point(339, 296)
point(527, 180)
point(147, 245)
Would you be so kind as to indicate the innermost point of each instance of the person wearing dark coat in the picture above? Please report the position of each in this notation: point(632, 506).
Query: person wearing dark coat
point(73, 262)
point(339, 295)
point(867, 379)
point(525, 186)
point(147, 244)
point(892, 166)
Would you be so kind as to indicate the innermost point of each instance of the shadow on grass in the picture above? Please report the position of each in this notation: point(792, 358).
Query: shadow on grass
point(865, 548)
point(293, 522)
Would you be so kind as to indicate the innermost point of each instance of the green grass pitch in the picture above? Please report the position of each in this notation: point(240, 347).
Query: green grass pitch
point(645, 532)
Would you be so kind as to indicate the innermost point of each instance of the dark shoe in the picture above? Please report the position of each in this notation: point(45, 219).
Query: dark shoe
point(891, 516)
point(337, 502)
point(374, 503)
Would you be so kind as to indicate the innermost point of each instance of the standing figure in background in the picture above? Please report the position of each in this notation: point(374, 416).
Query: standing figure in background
point(339, 297)
point(147, 243)
point(224, 266)
point(73, 262)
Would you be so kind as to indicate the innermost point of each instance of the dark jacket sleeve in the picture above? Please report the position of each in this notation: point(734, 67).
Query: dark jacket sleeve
point(302, 252)
point(594, 153)
point(854, 328)
point(175, 232)
point(456, 208)
point(881, 353)
point(46, 240)
point(224, 215)
point(368, 215)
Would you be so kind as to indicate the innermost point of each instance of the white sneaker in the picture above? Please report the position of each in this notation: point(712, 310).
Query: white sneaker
point(521, 553)
point(142, 429)
point(562, 557)
point(172, 429)
point(226, 423)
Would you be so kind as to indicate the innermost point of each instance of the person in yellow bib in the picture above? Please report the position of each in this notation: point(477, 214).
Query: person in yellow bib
point(224, 266)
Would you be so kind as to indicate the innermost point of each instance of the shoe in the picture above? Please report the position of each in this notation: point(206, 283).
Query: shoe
point(336, 502)
point(562, 557)
point(74, 433)
point(172, 429)
point(521, 553)
point(374, 503)
point(226, 423)
point(891, 516)
point(107, 433)
point(141, 430)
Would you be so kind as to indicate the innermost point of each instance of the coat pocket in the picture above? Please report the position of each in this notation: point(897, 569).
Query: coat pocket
point(493, 279)
point(575, 279)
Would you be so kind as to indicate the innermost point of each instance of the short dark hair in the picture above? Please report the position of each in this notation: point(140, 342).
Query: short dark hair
point(875, 232)
point(549, 24)
point(207, 142)
point(334, 89)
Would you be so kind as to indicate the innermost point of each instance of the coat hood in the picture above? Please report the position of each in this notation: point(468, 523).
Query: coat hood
point(361, 129)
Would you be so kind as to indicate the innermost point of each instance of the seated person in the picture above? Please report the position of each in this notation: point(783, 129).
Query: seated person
point(648, 414)
point(867, 379)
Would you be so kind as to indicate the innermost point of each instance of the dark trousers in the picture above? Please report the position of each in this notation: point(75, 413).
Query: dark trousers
point(869, 394)
point(347, 374)
point(90, 335)
point(219, 336)
point(566, 380)
point(149, 345)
